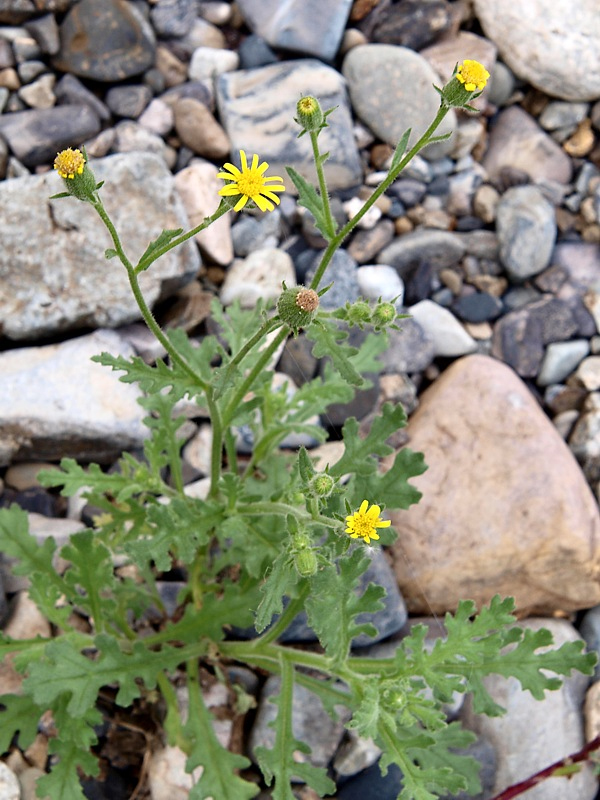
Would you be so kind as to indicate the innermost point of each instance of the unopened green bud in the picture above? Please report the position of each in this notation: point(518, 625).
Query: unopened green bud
point(384, 314)
point(310, 116)
point(297, 306)
point(322, 484)
point(359, 313)
point(305, 558)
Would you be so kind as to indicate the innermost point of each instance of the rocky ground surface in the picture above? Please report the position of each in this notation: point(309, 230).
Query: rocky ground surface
point(490, 241)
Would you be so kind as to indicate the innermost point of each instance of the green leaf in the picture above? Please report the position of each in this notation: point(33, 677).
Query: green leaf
point(309, 198)
point(164, 238)
point(279, 763)
point(333, 603)
point(219, 777)
point(151, 379)
point(66, 672)
point(20, 714)
point(327, 336)
point(391, 488)
point(358, 453)
point(280, 581)
point(400, 149)
point(90, 576)
point(110, 252)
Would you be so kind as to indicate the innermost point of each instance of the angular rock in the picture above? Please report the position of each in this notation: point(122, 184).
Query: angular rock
point(560, 359)
point(408, 80)
point(559, 57)
point(58, 279)
point(533, 734)
point(107, 41)
point(410, 349)
point(518, 142)
point(526, 229)
point(56, 402)
point(313, 27)
point(36, 135)
point(257, 108)
point(505, 507)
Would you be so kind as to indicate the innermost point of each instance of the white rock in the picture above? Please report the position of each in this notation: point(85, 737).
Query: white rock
point(448, 335)
point(380, 280)
point(167, 777)
point(370, 219)
point(207, 62)
point(560, 359)
point(260, 275)
point(9, 784)
point(198, 188)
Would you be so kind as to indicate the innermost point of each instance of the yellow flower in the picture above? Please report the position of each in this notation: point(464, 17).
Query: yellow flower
point(473, 75)
point(250, 183)
point(365, 521)
point(69, 163)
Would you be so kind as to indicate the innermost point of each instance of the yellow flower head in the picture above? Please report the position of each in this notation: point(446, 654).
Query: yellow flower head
point(365, 522)
point(250, 183)
point(69, 163)
point(473, 75)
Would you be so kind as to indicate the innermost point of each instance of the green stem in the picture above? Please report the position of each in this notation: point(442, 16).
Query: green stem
point(173, 725)
point(383, 186)
point(145, 262)
point(322, 184)
point(293, 608)
point(282, 509)
point(246, 384)
point(270, 656)
point(264, 329)
point(145, 311)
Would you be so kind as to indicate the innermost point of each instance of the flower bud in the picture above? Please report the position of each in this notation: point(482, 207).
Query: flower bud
point(78, 178)
point(305, 558)
point(359, 313)
point(384, 314)
point(322, 484)
point(310, 116)
point(466, 84)
point(297, 306)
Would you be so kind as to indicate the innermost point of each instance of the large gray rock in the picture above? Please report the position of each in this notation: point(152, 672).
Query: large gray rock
point(526, 229)
point(56, 402)
point(553, 46)
point(391, 90)
point(257, 108)
point(55, 278)
point(313, 27)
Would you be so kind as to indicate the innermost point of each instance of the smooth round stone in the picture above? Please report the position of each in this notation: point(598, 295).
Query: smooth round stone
point(478, 307)
point(560, 359)
point(107, 41)
point(526, 229)
point(448, 335)
point(408, 80)
point(173, 18)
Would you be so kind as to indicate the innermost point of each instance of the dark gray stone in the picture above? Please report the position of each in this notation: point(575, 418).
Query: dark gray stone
point(341, 270)
point(107, 41)
point(45, 31)
point(128, 101)
point(439, 249)
point(410, 349)
point(255, 52)
point(70, 91)
point(478, 307)
point(413, 23)
point(590, 631)
point(518, 341)
point(36, 135)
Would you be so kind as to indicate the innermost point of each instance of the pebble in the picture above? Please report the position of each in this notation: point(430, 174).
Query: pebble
point(449, 337)
point(560, 359)
point(408, 79)
point(517, 141)
point(439, 249)
point(489, 444)
point(199, 130)
point(106, 43)
point(128, 101)
point(9, 784)
point(259, 276)
point(526, 229)
point(380, 281)
point(207, 62)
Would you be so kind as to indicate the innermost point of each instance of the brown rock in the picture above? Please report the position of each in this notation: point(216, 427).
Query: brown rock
point(505, 506)
point(199, 130)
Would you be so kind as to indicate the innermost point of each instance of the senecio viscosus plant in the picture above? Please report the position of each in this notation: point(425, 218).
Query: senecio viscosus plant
point(273, 536)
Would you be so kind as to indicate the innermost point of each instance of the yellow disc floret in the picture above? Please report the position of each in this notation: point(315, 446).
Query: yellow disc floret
point(250, 183)
point(472, 75)
point(365, 522)
point(69, 163)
